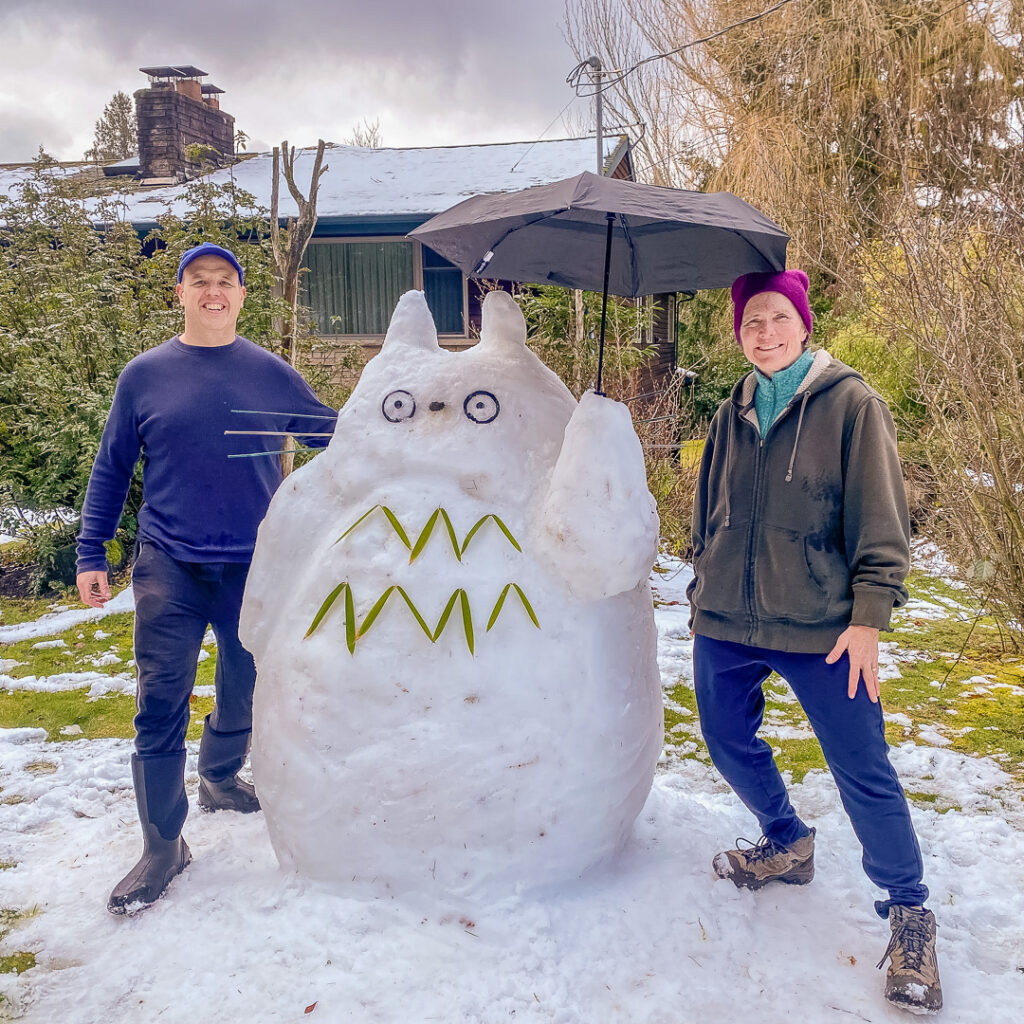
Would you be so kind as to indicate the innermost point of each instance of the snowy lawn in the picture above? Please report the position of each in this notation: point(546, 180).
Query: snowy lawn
point(653, 939)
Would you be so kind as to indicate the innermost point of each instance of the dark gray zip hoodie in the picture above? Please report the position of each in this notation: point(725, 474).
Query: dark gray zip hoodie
point(803, 533)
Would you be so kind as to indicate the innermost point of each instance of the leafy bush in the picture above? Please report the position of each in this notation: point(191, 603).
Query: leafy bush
point(80, 295)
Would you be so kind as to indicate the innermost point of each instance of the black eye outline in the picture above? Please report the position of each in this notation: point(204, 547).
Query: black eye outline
point(398, 412)
point(475, 418)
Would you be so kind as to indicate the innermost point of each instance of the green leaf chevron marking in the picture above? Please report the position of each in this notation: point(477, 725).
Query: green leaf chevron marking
point(428, 528)
point(354, 634)
point(480, 522)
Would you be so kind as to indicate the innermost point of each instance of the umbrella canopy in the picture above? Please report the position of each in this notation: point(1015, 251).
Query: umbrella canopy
point(662, 239)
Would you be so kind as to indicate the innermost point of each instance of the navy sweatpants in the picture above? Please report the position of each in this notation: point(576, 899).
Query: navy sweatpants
point(728, 678)
point(174, 603)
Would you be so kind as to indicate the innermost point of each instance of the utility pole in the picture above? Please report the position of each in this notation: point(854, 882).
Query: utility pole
point(595, 63)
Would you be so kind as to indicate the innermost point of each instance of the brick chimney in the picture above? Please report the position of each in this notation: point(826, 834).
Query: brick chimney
point(179, 110)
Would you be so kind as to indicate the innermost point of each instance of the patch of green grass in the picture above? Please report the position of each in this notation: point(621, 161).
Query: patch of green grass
point(81, 648)
point(23, 609)
point(798, 756)
point(107, 717)
point(941, 655)
point(15, 963)
point(934, 687)
point(5, 864)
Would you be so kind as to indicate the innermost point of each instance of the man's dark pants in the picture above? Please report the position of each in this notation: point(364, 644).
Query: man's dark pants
point(728, 678)
point(174, 603)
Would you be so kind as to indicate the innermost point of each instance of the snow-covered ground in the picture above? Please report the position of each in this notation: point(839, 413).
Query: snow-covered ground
point(651, 939)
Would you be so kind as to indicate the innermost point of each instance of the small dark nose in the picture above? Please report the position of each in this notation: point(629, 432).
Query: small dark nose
point(436, 406)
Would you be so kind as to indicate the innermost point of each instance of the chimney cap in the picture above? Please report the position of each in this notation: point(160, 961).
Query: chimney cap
point(174, 71)
point(209, 89)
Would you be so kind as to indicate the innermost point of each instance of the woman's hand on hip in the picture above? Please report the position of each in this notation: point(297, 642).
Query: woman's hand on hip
point(861, 645)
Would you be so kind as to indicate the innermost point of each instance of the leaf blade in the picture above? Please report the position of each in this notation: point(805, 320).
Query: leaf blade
point(350, 621)
point(325, 608)
point(396, 525)
point(365, 515)
point(451, 534)
point(467, 620)
point(421, 540)
point(371, 615)
point(446, 614)
point(497, 607)
point(416, 613)
point(527, 605)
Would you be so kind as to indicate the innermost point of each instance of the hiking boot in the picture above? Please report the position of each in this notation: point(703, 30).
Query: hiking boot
point(912, 981)
point(756, 864)
point(232, 794)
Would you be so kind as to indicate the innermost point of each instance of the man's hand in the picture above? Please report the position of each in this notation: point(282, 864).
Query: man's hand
point(861, 644)
point(93, 588)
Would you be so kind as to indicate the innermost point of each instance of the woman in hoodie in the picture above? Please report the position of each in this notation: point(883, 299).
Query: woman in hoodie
point(800, 549)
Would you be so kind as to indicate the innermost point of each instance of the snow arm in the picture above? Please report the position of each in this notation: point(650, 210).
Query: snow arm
point(599, 523)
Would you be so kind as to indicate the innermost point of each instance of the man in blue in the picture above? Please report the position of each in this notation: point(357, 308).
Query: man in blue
point(197, 530)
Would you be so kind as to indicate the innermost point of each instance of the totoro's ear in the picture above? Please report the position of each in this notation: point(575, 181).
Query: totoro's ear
point(411, 323)
point(502, 325)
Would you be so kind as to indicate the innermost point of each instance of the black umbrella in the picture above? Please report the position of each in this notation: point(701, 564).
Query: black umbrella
point(665, 239)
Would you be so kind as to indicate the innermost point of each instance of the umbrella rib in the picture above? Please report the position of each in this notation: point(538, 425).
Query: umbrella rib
point(634, 280)
point(493, 246)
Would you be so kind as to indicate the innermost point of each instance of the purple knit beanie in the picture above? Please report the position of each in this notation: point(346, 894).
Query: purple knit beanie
point(791, 283)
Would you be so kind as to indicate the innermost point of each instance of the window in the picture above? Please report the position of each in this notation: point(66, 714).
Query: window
point(352, 285)
point(442, 285)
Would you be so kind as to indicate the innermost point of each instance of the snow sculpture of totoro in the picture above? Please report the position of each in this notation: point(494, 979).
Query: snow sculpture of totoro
point(451, 618)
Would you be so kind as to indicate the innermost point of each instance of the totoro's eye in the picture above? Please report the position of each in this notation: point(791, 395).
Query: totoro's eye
point(398, 406)
point(481, 407)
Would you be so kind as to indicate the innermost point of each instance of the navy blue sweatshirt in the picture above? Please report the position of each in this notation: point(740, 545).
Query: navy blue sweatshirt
point(172, 404)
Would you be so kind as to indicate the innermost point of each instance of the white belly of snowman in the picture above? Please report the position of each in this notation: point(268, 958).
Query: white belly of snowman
point(476, 730)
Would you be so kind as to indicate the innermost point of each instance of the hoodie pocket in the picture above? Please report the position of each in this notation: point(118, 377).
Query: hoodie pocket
point(785, 586)
point(720, 571)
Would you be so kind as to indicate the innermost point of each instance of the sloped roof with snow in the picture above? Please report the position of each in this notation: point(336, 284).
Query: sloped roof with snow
point(393, 182)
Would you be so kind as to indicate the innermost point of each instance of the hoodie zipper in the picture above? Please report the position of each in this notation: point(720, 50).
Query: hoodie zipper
point(755, 517)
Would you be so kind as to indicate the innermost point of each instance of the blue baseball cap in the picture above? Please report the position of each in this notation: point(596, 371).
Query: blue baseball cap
point(209, 249)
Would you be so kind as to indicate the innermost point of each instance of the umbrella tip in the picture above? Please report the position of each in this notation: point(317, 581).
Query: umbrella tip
point(502, 325)
point(411, 323)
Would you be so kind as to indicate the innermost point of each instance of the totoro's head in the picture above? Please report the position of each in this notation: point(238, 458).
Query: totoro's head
point(494, 412)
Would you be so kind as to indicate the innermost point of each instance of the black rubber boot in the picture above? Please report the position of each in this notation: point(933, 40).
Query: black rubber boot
point(233, 794)
point(160, 797)
point(221, 754)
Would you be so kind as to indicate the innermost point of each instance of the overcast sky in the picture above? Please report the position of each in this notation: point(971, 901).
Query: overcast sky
point(435, 72)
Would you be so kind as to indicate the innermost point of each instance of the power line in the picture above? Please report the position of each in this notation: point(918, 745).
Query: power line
point(575, 77)
point(543, 133)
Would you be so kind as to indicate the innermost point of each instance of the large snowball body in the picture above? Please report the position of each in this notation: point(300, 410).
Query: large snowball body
point(516, 748)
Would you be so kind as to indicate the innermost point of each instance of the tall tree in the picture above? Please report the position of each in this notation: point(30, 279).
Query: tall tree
point(815, 109)
point(116, 134)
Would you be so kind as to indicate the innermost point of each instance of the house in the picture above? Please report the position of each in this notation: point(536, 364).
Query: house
point(359, 260)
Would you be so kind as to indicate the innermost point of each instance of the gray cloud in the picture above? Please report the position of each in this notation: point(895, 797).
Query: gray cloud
point(434, 73)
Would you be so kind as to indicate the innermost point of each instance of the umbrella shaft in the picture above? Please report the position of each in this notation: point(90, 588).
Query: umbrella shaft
point(604, 300)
